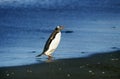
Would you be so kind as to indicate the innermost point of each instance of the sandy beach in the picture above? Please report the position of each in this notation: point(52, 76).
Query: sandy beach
point(98, 66)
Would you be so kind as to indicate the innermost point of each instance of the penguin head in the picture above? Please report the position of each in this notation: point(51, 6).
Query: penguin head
point(59, 28)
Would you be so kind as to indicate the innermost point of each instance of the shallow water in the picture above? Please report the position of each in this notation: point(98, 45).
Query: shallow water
point(23, 34)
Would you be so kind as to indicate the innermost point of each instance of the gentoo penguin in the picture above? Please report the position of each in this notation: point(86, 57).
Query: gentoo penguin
point(52, 42)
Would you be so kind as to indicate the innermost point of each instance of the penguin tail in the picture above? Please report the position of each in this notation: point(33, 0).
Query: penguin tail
point(39, 55)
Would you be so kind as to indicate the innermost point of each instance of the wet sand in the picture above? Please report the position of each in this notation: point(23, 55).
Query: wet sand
point(99, 66)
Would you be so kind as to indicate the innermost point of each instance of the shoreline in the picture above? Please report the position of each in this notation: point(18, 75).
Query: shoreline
point(101, 66)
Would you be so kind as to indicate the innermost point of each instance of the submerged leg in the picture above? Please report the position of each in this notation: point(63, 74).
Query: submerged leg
point(50, 57)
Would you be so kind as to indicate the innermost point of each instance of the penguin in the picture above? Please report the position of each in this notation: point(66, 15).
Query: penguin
point(52, 42)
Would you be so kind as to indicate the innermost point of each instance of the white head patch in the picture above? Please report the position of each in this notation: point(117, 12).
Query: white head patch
point(58, 26)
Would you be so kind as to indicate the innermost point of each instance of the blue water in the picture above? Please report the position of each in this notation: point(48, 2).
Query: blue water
point(24, 31)
point(60, 4)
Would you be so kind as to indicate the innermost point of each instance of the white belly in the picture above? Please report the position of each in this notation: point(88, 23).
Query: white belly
point(54, 44)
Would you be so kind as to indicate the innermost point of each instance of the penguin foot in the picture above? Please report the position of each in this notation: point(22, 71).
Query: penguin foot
point(50, 57)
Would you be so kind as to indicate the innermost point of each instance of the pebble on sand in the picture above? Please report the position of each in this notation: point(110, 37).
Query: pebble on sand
point(68, 75)
point(7, 74)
